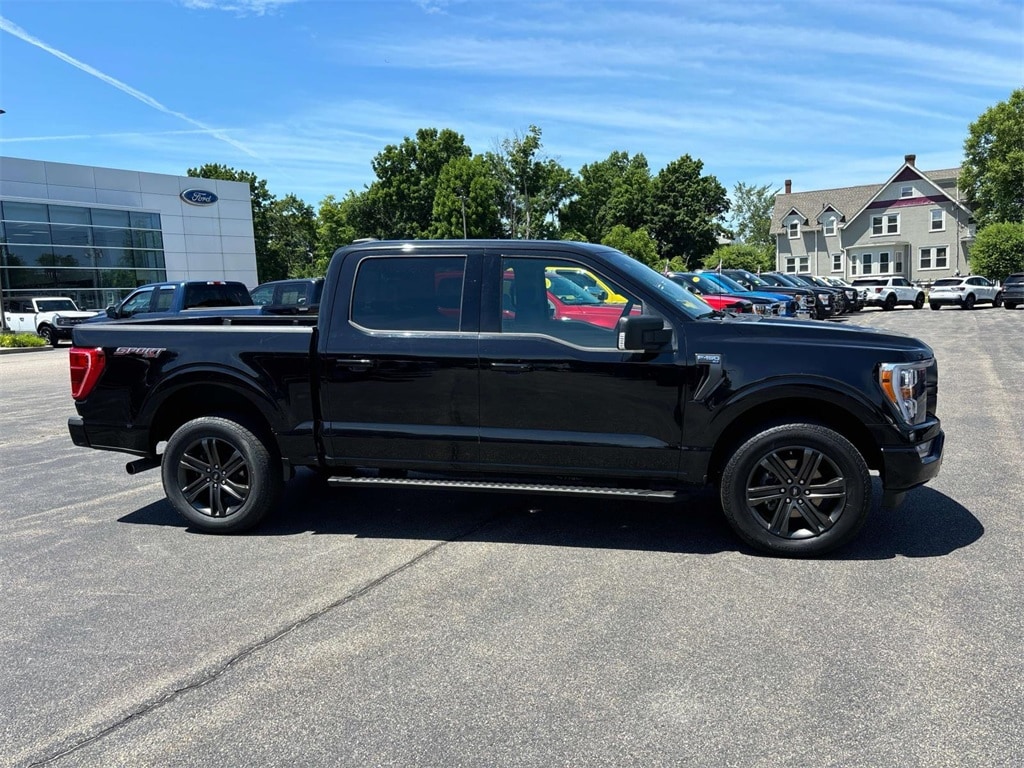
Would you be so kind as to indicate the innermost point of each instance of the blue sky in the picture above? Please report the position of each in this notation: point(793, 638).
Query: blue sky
point(304, 93)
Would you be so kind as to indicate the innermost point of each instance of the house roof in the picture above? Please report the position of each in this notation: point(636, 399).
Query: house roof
point(847, 201)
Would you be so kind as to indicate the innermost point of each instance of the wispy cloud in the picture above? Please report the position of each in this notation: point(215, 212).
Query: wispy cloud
point(241, 7)
point(13, 29)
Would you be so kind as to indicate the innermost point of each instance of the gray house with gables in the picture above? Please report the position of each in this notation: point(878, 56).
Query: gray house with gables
point(914, 225)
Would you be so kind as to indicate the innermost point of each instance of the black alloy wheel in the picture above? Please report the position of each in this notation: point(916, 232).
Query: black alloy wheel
point(220, 475)
point(796, 489)
point(969, 301)
point(890, 302)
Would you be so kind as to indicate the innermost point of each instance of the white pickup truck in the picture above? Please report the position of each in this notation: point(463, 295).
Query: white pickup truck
point(52, 317)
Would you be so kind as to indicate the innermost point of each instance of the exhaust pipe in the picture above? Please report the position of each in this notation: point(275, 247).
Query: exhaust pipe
point(141, 465)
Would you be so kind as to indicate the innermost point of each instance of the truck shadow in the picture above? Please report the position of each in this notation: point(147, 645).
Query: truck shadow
point(928, 524)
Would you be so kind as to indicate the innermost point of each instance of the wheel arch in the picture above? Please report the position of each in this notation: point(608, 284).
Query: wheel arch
point(847, 418)
point(191, 397)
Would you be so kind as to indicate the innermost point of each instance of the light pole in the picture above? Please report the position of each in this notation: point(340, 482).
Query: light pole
point(462, 199)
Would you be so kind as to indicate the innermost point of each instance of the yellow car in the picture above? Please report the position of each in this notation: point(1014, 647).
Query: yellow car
point(591, 283)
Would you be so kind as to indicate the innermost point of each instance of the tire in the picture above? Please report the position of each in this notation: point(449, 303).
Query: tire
point(756, 486)
point(1010, 305)
point(969, 301)
point(998, 300)
point(48, 335)
point(221, 476)
point(890, 303)
point(919, 301)
point(934, 306)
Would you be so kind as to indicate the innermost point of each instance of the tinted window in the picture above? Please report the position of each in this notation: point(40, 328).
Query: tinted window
point(946, 281)
point(1015, 279)
point(409, 294)
point(868, 281)
point(137, 303)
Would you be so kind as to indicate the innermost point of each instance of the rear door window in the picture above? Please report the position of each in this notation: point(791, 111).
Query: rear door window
point(409, 293)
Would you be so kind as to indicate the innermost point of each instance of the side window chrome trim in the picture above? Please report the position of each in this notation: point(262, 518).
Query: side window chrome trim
point(557, 340)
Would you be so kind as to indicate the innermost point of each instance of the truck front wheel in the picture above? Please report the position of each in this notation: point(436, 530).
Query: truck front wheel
point(796, 490)
point(220, 475)
point(49, 335)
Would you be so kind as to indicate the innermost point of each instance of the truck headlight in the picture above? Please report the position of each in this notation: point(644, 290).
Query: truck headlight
point(904, 386)
point(61, 321)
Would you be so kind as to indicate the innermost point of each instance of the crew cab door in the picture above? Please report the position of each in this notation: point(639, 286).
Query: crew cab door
point(398, 381)
point(556, 394)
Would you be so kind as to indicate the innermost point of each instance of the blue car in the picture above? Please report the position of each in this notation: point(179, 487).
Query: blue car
point(729, 285)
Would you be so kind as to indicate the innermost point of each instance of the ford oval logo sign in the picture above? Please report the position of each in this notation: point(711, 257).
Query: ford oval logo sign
point(198, 197)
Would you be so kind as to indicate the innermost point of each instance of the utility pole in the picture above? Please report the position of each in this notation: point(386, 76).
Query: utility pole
point(462, 199)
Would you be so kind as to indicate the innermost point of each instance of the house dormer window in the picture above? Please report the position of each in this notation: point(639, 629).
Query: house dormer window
point(794, 229)
point(887, 224)
point(906, 191)
point(829, 226)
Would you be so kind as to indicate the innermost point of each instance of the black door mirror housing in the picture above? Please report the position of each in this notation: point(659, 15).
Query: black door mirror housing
point(642, 333)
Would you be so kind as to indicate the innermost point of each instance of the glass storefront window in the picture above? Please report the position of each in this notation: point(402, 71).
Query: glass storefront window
point(69, 234)
point(144, 220)
point(95, 255)
point(107, 217)
point(70, 214)
point(27, 232)
point(15, 211)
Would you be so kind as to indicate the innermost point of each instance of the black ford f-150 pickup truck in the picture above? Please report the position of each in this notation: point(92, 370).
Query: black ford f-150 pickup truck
point(454, 364)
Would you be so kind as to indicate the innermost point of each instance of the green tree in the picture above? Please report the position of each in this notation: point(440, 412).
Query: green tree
point(998, 250)
point(533, 187)
point(637, 243)
point(740, 256)
point(400, 203)
point(610, 192)
point(466, 201)
point(293, 235)
point(687, 210)
point(992, 175)
point(334, 228)
point(751, 216)
point(267, 265)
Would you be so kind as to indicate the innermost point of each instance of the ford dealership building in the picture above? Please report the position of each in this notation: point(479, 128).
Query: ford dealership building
point(95, 233)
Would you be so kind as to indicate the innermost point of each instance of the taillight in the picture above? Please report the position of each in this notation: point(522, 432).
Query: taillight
point(86, 367)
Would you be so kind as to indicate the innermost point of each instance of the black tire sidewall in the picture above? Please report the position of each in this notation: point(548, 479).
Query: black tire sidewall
point(837, 448)
point(265, 478)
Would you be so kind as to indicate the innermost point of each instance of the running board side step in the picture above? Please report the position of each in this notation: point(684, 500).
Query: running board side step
point(476, 485)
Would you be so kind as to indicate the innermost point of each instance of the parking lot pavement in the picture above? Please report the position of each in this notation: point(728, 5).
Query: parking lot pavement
point(403, 628)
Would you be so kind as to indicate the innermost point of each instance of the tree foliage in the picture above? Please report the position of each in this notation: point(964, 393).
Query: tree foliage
point(293, 231)
point(637, 243)
point(400, 204)
point(751, 215)
point(740, 256)
point(992, 175)
point(611, 192)
point(998, 250)
point(687, 210)
point(334, 229)
point(532, 187)
point(466, 203)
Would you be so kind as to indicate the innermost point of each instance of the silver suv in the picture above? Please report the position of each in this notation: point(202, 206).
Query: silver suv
point(887, 292)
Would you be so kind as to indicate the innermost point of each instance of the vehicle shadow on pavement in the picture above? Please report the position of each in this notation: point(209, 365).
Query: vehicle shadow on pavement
point(928, 524)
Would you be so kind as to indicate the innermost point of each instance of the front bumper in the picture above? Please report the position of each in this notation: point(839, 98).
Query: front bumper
point(909, 466)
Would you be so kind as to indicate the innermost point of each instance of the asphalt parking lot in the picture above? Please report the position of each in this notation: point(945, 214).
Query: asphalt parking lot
point(400, 628)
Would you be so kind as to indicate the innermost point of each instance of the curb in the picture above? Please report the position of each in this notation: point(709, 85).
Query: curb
point(18, 350)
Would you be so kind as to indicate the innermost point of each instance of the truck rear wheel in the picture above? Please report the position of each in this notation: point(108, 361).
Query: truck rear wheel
point(797, 490)
point(220, 475)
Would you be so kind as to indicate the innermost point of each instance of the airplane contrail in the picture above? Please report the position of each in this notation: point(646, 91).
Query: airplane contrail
point(13, 29)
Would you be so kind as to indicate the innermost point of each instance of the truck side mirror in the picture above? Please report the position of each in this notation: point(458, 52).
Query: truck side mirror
point(642, 333)
point(112, 312)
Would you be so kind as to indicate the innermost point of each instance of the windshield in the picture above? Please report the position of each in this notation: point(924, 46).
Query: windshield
point(728, 283)
point(754, 280)
point(692, 306)
point(568, 292)
point(57, 305)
